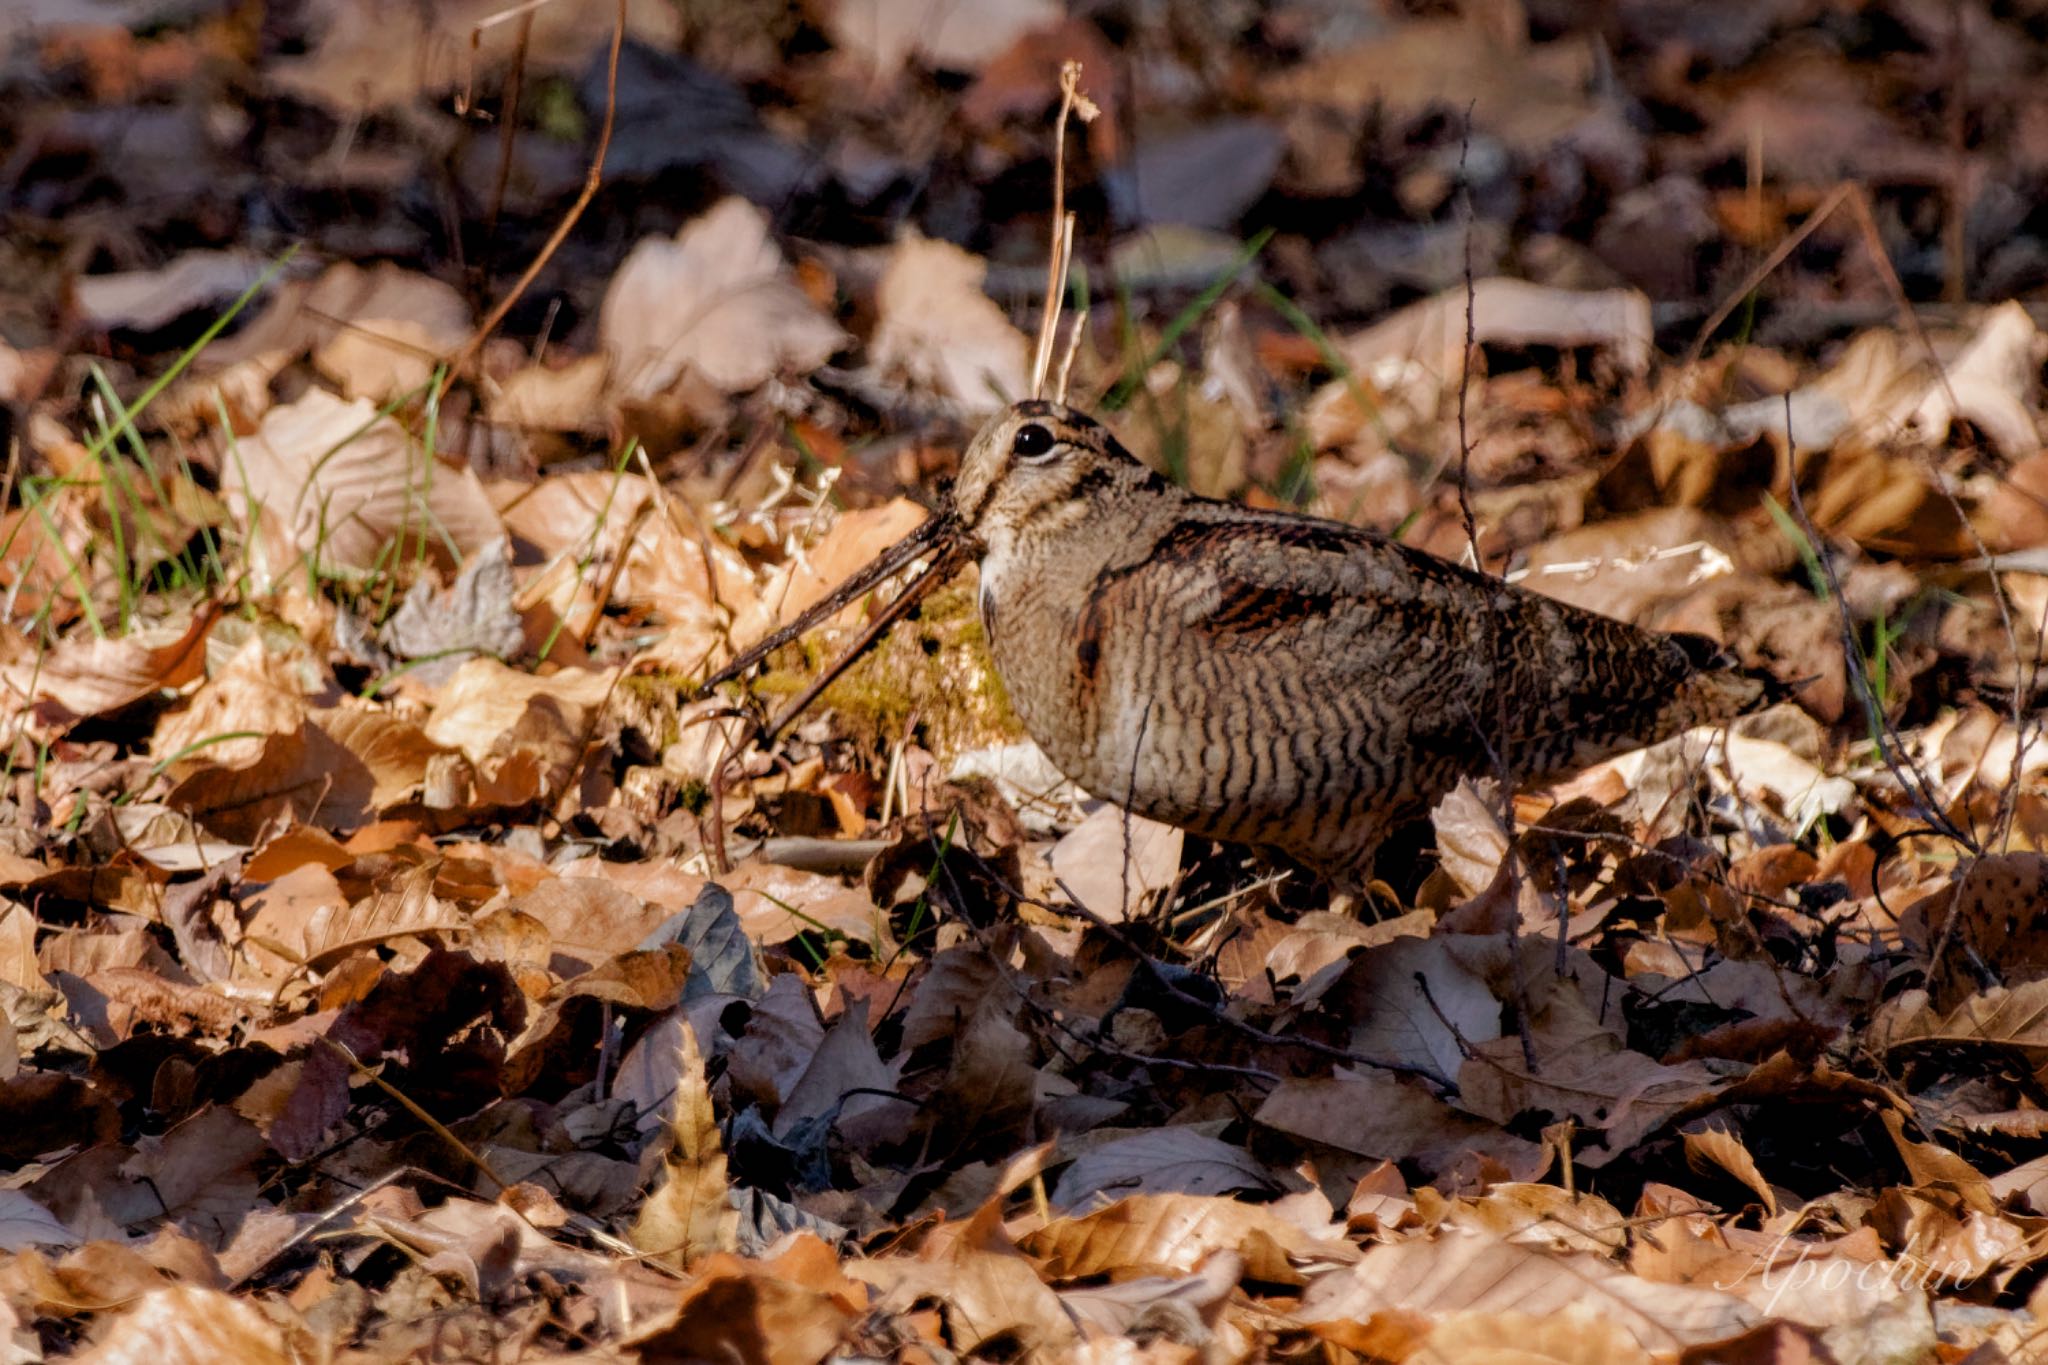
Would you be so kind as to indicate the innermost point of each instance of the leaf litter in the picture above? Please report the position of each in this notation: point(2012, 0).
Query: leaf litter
point(396, 959)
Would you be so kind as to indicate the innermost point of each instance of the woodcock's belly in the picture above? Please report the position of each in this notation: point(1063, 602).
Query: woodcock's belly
point(1219, 742)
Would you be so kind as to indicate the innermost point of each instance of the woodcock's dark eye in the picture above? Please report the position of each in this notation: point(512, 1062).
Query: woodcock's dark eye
point(1032, 440)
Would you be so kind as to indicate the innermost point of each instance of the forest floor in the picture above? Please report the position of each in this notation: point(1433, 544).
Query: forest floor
point(398, 961)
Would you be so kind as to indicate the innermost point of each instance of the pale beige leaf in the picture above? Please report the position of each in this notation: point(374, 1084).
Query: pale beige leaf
point(1171, 1234)
point(18, 966)
point(484, 703)
point(395, 327)
point(953, 35)
point(939, 331)
point(25, 1223)
point(1115, 862)
point(189, 1325)
point(688, 1214)
point(1415, 354)
point(776, 903)
point(549, 398)
point(1545, 1216)
point(148, 299)
point(328, 478)
point(1578, 1335)
point(1989, 385)
point(717, 301)
point(1468, 1272)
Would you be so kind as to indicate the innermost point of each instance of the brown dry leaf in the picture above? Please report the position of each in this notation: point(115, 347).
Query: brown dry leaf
point(689, 1213)
point(201, 1174)
point(1627, 567)
point(1472, 1273)
point(1418, 349)
point(587, 918)
point(245, 751)
point(853, 539)
point(1419, 1002)
point(1717, 1147)
point(955, 985)
point(988, 1288)
point(1374, 1115)
point(379, 332)
point(329, 478)
point(83, 676)
point(543, 397)
point(846, 1061)
point(525, 734)
point(1578, 1335)
point(1543, 1216)
point(386, 53)
point(989, 1094)
point(190, 1325)
point(394, 751)
point(1941, 1228)
point(940, 332)
point(2014, 1019)
point(1172, 1234)
point(777, 903)
point(675, 567)
point(335, 928)
point(951, 35)
point(1584, 1072)
point(718, 302)
point(1526, 94)
point(782, 1036)
point(18, 947)
point(747, 1313)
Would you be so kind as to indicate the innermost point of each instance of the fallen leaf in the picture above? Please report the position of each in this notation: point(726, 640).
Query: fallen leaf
point(717, 302)
point(952, 35)
point(939, 331)
point(332, 480)
point(1115, 862)
point(148, 299)
point(688, 1214)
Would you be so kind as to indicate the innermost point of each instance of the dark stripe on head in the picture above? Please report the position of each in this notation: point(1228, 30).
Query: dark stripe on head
point(1055, 412)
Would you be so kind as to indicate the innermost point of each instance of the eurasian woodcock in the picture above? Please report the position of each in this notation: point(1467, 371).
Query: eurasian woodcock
point(1266, 677)
point(1278, 679)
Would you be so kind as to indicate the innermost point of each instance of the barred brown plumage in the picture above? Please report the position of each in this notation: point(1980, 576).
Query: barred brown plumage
point(1277, 679)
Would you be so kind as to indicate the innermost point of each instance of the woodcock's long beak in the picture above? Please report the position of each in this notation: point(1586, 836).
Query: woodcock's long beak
point(940, 537)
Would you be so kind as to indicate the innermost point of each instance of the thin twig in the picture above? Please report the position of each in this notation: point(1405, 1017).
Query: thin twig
point(1061, 256)
point(463, 358)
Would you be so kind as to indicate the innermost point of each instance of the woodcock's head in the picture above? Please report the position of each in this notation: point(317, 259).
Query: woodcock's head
point(1031, 461)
